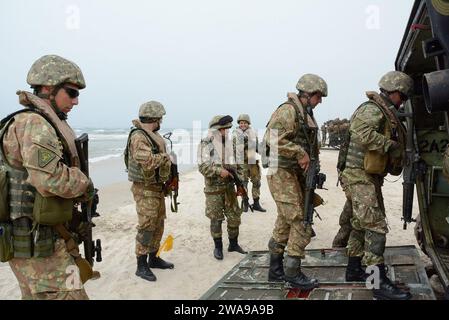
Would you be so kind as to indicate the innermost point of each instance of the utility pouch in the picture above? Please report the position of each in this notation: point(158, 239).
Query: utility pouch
point(51, 211)
point(6, 242)
point(4, 204)
point(375, 162)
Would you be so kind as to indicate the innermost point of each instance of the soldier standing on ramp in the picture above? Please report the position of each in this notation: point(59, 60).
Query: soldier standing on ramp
point(376, 148)
point(292, 128)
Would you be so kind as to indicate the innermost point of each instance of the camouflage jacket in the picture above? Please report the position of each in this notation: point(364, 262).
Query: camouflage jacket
point(245, 145)
point(284, 120)
point(365, 125)
point(31, 143)
point(213, 155)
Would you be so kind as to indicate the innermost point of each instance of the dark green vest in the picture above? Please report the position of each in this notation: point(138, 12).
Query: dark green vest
point(356, 152)
point(29, 239)
point(135, 171)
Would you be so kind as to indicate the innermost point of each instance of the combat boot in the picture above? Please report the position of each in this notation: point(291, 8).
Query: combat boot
point(295, 277)
point(257, 207)
point(354, 271)
point(276, 272)
point(142, 269)
point(245, 204)
point(157, 262)
point(218, 251)
point(234, 246)
point(388, 290)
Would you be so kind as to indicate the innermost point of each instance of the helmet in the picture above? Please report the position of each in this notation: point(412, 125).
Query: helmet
point(244, 117)
point(311, 83)
point(221, 122)
point(52, 70)
point(397, 81)
point(151, 109)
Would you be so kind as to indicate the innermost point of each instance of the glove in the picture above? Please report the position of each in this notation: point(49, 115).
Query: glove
point(395, 149)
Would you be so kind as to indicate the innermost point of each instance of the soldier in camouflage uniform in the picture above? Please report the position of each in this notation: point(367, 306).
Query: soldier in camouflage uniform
point(41, 159)
point(374, 131)
point(245, 142)
point(148, 166)
point(292, 130)
point(215, 154)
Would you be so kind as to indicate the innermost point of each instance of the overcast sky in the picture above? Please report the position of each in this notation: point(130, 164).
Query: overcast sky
point(202, 57)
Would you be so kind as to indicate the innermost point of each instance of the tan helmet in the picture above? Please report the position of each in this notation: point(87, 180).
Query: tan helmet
point(53, 70)
point(151, 110)
point(244, 117)
point(397, 81)
point(311, 83)
point(221, 122)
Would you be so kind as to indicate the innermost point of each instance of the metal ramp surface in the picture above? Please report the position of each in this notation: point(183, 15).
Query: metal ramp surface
point(248, 280)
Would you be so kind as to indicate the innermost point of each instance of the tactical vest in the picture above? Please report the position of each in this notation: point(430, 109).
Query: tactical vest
point(215, 182)
point(356, 153)
point(304, 137)
point(135, 171)
point(29, 239)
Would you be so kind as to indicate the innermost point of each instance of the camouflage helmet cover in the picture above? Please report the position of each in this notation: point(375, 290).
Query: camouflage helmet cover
point(221, 122)
point(53, 70)
point(311, 83)
point(151, 109)
point(397, 81)
point(244, 117)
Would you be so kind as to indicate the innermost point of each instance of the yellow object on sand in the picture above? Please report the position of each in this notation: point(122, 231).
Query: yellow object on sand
point(166, 246)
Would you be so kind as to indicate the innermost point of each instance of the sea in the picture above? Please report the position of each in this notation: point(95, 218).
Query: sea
point(107, 145)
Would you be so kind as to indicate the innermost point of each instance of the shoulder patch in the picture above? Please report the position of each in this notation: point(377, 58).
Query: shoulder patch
point(45, 157)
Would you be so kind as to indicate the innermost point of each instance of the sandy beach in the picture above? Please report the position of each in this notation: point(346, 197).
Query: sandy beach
point(196, 270)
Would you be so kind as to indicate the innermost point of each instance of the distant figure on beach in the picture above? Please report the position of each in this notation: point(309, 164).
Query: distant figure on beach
point(148, 165)
point(293, 130)
point(376, 148)
point(323, 135)
point(245, 142)
point(45, 181)
point(215, 155)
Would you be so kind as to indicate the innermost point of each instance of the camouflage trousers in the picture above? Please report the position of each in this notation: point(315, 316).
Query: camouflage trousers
point(223, 205)
point(51, 278)
point(150, 207)
point(251, 172)
point(289, 229)
point(368, 237)
point(342, 236)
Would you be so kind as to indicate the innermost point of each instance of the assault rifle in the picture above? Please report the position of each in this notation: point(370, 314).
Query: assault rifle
point(241, 190)
point(172, 185)
point(88, 209)
point(314, 180)
point(414, 168)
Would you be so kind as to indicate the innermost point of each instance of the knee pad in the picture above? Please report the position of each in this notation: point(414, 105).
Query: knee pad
point(144, 237)
point(215, 225)
point(375, 242)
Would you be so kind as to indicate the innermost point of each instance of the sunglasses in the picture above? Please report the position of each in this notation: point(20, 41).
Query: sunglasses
point(72, 93)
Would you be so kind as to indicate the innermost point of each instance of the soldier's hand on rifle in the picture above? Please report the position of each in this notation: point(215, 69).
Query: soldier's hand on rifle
point(304, 162)
point(89, 194)
point(225, 173)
